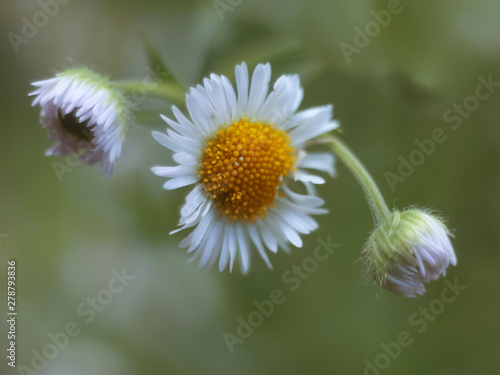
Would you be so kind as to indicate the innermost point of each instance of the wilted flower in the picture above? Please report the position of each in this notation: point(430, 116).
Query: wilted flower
point(85, 114)
point(241, 151)
point(409, 249)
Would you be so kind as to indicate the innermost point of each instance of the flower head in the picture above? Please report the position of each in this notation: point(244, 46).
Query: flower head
point(241, 150)
point(84, 114)
point(408, 250)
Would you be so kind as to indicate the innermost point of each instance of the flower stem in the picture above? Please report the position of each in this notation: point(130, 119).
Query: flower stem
point(171, 92)
point(378, 207)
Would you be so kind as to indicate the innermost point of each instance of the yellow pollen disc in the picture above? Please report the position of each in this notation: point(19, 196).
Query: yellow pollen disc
point(242, 166)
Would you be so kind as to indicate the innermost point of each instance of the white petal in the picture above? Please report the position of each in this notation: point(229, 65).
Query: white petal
point(272, 108)
point(177, 145)
point(268, 237)
point(258, 89)
point(243, 247)
point(273, 221)
point(303, 176)
point(300, 137)
point(192, 145)
point(314, 122)
point(304, 200)
point(211, 246)
point(308, 115)
point(201, 230)
point(90, 103)
point(185, 158)
point(231, 99)
point(280, 104)
point(224, 254)
point(217, 95)
point(291, 234)
point(185, 131)
point(241, 73)
point(296, 218)
point(233, 244)
point(179, 171)
point(201, 109)
point(178, 182)
point(46, 82)
point(184, 122)
point(320, 161)
point(193, 217)
point(255, 237)
point(59, 90)
point(186, 242)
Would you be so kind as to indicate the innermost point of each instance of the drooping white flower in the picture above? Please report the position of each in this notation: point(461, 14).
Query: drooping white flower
point(241, 150)
point(408, 250)
point(85, 114)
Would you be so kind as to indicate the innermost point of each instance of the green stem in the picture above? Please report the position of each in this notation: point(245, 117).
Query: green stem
point(171, 92)
point(378, 207)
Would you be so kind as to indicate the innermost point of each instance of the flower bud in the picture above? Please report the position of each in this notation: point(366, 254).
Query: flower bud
point(409, 249)
point(85, 114)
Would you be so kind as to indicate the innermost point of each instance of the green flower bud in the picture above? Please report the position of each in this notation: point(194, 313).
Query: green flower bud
point(409, 249)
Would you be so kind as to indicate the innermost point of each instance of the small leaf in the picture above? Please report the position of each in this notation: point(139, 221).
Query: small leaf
point(155, 61)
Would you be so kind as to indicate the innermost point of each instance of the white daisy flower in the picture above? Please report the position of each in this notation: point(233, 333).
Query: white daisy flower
point(408, 250)
point(84, 114)
point(240, 150)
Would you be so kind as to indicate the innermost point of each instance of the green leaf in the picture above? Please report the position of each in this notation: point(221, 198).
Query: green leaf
point(155, 61)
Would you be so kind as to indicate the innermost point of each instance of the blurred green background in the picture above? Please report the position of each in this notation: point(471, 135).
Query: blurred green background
point(68, 236)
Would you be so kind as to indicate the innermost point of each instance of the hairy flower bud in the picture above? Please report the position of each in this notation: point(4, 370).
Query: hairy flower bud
point(84, 114)
point(408, 250)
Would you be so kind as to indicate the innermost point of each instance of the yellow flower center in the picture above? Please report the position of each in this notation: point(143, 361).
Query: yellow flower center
point(242, 167)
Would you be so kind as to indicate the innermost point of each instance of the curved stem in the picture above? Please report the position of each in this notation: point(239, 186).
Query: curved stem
point(378, 207)
point(171, 92)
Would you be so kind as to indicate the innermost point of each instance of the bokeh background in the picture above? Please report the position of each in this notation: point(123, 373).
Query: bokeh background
point(67, 236)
